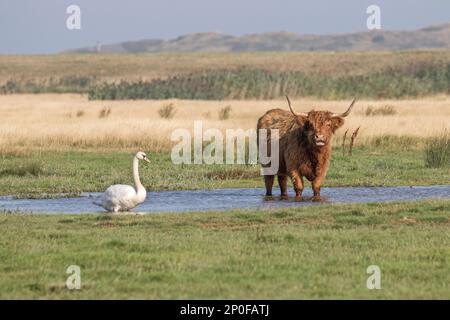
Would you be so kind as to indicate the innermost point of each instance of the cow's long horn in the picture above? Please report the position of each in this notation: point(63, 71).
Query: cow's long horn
point(346, 113)
point(290, 107)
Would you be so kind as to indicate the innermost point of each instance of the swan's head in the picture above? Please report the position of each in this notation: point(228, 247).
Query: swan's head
point(142, 156)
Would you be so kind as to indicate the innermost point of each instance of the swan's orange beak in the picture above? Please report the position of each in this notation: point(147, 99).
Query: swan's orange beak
point(147, 159)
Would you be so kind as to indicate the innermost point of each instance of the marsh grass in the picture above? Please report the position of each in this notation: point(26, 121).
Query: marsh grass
point(40, 122)
point(216, 76)
point(225, 113)
point(437, 151)
point(392, 142)
point(33, 168)
point(40, 196)
point(249, 83)
point(94, 171)
point(63, 84)
point(167, 111)
point(235, 173)
point(386, 110)
point(319, 252)
point(104, 113)
point(207, 115)
point(132, 67)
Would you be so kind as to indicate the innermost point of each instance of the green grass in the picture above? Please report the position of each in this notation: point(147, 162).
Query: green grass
point(383, 162)
point(25, 168)
point(307, 252)
point(437, 151)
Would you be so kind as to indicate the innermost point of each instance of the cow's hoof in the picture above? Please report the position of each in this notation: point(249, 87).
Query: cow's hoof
point(298, 198)
point(316, 199)
point(269, 198)
point(284, 197)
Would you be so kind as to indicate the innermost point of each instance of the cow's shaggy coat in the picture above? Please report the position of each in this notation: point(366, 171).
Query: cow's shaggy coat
point(304, 147)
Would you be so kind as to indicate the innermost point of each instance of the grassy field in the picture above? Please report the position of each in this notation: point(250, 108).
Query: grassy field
point(134, 67)
point(68, 121)
point(215, 76)
point(73, 172)
point(66, 143)
point(63, 143)
point(309, 252)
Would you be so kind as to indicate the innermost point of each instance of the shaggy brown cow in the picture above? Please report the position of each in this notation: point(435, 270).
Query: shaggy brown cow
point(304, 146)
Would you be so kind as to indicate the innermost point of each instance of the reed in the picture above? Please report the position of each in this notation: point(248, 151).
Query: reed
point(437, 151)
point(40, 122)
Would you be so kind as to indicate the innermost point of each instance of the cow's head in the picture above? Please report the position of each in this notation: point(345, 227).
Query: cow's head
point(319, 126)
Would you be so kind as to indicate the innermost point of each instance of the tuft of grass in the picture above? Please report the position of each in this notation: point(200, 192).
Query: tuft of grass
point(437, 151)
point(207, 115)
point(167, 111)
point(80, 113)
point(34, 168)
point(105, 113)
point(225, 113)
point(387, 110)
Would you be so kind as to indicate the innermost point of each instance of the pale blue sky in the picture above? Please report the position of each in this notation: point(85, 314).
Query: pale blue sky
point(39, 26)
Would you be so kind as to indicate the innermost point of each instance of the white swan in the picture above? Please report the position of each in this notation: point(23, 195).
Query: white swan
point(120, 197)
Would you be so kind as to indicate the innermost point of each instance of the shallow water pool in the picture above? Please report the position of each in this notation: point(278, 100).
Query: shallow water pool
point(224, 199)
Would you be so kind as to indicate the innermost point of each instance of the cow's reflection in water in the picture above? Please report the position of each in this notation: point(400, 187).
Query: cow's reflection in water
point(295, 199)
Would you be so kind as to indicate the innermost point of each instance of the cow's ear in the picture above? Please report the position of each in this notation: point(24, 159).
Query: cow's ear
point(337, 122)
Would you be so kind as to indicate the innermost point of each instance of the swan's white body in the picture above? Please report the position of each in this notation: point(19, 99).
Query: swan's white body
point(120, 197)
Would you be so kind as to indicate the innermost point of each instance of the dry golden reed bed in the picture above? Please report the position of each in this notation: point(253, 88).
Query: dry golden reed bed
point(65, 121)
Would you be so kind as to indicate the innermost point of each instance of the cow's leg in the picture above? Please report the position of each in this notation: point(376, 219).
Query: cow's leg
point(316, 183)
point(282, 182)
point(297, 181)
point(268, 180)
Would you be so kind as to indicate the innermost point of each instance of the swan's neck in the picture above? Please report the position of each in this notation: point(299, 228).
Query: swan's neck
point(137, 182)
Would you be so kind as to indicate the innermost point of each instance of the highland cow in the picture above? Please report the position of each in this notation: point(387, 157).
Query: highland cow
point(304, 146)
